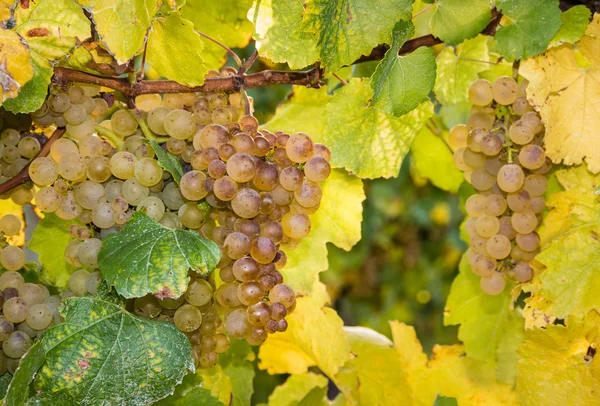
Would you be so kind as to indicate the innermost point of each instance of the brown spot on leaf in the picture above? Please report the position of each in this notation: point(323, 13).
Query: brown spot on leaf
point(88, 354)
point(38, 32)
point(24, 4)
point(164, 292)
point(83, 364)
point(594, 235)
point(590, 354)
point(348, 13)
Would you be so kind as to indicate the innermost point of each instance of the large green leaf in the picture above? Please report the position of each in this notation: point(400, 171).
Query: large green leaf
point(401, 83)
point(4, 383)
point(366, 141)
point(303, 112)
point(295, 388)
point(34, 92)
point(533, 23)
point(484, 320)
point(173, 44)
point(145, 257)
point(457, 20)
point(433, 160)
point(338, 221)
point(347, 29)
point(123, 24)
point(574, 22)
point(18, 390)
point(458, 68)
point(167, 161)
point(279, 35)
point(50, 239)
point(190, 391)
point(52, 28)
point(224, 20)
point(102, 354)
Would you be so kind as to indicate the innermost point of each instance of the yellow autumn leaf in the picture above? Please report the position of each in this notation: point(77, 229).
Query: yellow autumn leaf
point(448, 372)
point(558, 366)
point(16, 68)
point(315, 337)
point(566, 90)
point(9, 207)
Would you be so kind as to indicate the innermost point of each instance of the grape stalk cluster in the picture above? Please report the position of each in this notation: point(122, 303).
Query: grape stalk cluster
point(500, 152)
point(249, 190)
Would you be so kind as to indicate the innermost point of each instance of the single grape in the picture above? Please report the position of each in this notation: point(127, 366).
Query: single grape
point(528, 242)
point(179, 124)
point(494, 284)
point(199, 293)
point(72, 166)
point(523, 272)
point(504, 90)
point(15, 310)
point(17, 344)
point(122, 165)
point(237, 325)
point(532, 157)
point(494, 205)
point(33, 293)
point(250, 293)
point(480, 92)
point(153, 207)
point(237, 245)
point(457, 136)
point(498, 246)
point(39, 316)
point(487, 226)
point(536, 185)
point(43, 171)
point(519, 201)
point(246, 203)
point(10, 224)
point(92, 283)
point(12, 258)
point(123, 123)
point(263, 250)
point(187, 318)
point(483, 265)
point(283, 294)
point(510, 178)
point(259, 314)
point(77, 282)
point(524, 222)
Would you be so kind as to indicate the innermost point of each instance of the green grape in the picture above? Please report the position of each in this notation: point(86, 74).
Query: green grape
point(520, 133)
point(98, 169)
point(237, 325)
point(459, 160)
point(521, 106)
point(523, 272)
point(10, 137)
point(122, 165)
point(226, 274)
point(457, 136)
point(123, 123)
point(81, 131)
point(11, 279)
point(170, 303)
point(179, 124)
point(504, 90)
point(89, 194)
point(75, 114)
point(266, 177)
point(532, 120)
point(491, 144)
point(187, 318)
point(308, 195)
point(263, 250)
point(291, 178)
point(246, 203)
point(77, 282)
point(172, 197)
point(100, 108)
point(92, 283)
point(532, 157)
point(295, 225)
point(6, 327)
point(87, 252)
point(227, 296)
point(12, 258)
point(222, 343)
point(278, 311)
point(519, 201)
point(494, 284)
point(147, 306)
point(61, 147)
point(25, 328)
point(245, 269)
point(241, 167)
point(72, 166)
point(538, 204)
point(243, 143)
point(103, 215)
point(498, 246)
point(191, 216)
point(199, 293)
point(43, 171)
point(209, 359)
point(261, 146)
point(480, 92)
point(113, 189)
point(250, 293)
point(236, 245)
point(192, 185)
point(17, 344)
point(221, 115)
point(29, 147)
point(15, 310)
point(481, 119)
point(524, 222)
point(510, 178)
point(494, 205)
point(76, 94)
point(39, 316)
point(299, 147)
point(317, 169)
point(257, 336)
point(69, 208)
point(148, 172)
point(22, 196)
point(528, 242)
point(10, 225)
point(60, 102)
point(283, 294)
point(535, 185)
point(487, 226)
point(32, 293)
point(225, 188)
point(133, 192)
point(482, 180)
point(90, 146)
point(153, 207)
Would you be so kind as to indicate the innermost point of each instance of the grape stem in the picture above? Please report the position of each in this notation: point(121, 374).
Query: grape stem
point(234, 83)
point(109, 135)
point(23, 175)
point(137, 114)
point(342, 81)
point(225, 47)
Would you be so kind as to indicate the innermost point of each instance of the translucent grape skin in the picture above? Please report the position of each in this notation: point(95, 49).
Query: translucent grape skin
point(494, 284)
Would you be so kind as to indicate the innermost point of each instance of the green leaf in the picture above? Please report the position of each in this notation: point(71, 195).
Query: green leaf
point(303, 112)
point(457, 20)
point(444, 401)
point(458, 67)
point(376, 374)
point(316, 397)
point(224, 20)
point(32, 95)
point(401, 83)
point(433, 160)
point(48, 32)
point(55, 269)
point(348, 29)
point(145, 257)
point(190, 391)
point(279, 35)
point(95, 61)
point(297, 349)
point(167, 161)
point(558, 363)
point(364, 140)
point(103, 352)
point(18, 390)
point(483, 319)
point(123, 24)
point(168, 38)
point(295, 388)
point(338, 221)
point(533, 23)
point(574, 22)
point(5, 381)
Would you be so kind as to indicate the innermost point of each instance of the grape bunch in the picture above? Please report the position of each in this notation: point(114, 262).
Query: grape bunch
point(500, 152)
point(249, 190)
point(27, 308)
